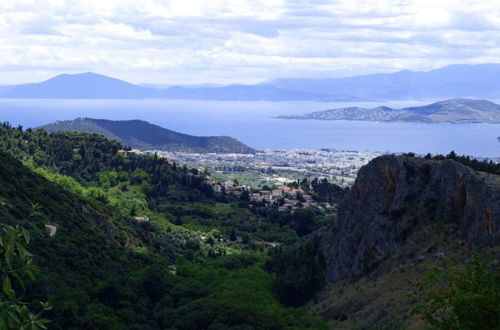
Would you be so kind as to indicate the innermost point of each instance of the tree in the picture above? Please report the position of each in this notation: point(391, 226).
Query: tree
point(452, 155)
point(245, 196)
point(460, 298)
point(232, 235)
point(16, 265)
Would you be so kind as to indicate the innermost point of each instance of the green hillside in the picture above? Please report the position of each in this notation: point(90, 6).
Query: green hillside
point(198, 263)
point(207, 260)
point(145, 136)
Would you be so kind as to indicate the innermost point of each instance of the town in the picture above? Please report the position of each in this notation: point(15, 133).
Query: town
point(284, 179)
point(275, 168)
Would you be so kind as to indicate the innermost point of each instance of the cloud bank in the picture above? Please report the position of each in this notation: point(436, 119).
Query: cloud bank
point(245, 41)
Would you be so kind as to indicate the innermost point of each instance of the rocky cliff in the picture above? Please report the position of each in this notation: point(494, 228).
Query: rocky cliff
point(393, 197)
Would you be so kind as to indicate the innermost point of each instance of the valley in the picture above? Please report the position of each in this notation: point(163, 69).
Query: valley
point(243, 165)
point(143, 241)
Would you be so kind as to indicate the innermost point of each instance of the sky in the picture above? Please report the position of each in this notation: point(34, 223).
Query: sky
point(241, 41)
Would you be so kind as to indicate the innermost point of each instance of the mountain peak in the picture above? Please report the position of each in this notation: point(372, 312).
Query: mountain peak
point(464, 101)
point(77, 77)
point(81, 85)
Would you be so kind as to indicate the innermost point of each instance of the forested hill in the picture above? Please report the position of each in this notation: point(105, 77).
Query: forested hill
point(145, 136)
point(196, 264)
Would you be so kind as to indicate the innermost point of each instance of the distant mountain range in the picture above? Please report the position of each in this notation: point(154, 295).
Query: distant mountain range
point(449, 111)
point(247, 93)
point(454, 81)
point(91, 85)
point(145, 136)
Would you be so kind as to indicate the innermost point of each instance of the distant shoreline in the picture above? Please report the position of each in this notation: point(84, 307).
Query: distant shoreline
point(452, 111)
point(386, 122)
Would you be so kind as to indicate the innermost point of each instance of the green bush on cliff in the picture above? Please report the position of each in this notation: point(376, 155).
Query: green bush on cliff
point(460, 298)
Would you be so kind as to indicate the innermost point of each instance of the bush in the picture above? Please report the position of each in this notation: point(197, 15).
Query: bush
point(460, 298)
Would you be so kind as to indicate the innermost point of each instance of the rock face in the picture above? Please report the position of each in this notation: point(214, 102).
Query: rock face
point(394, 195)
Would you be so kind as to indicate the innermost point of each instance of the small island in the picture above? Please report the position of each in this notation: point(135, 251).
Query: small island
point(454, 111)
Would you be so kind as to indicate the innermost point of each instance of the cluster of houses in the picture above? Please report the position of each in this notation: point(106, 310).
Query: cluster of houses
point(283, 197)
point(228, 187)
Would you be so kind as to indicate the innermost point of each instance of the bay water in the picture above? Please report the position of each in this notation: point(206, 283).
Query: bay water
point(252, 123)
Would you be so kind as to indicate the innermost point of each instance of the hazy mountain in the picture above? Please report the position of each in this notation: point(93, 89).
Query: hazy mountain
point(4, 89)
point(480, 81)
point(92, 85)
point(476, 81)
point(449, 111)
point(248, 93)
point(143, 135)
point(83, 85)
point(157, 87)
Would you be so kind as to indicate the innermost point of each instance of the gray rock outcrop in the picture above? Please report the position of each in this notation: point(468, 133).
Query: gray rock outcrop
point(392, 196)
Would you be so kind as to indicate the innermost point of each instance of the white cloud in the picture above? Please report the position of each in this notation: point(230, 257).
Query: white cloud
point(193, 41)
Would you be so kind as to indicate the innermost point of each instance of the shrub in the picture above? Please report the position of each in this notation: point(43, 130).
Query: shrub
point(460, 297)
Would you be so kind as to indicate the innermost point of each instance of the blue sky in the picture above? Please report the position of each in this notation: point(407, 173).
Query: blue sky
point(241, 41)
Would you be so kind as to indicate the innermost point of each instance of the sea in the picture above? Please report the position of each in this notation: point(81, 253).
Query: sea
point(252, 123)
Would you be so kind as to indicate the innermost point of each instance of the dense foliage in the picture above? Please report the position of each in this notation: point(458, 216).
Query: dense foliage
point(300, 273)
point(185, 268)
point(485, 165)
point(460, 297)
point(16, 266)
point(321, 189)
